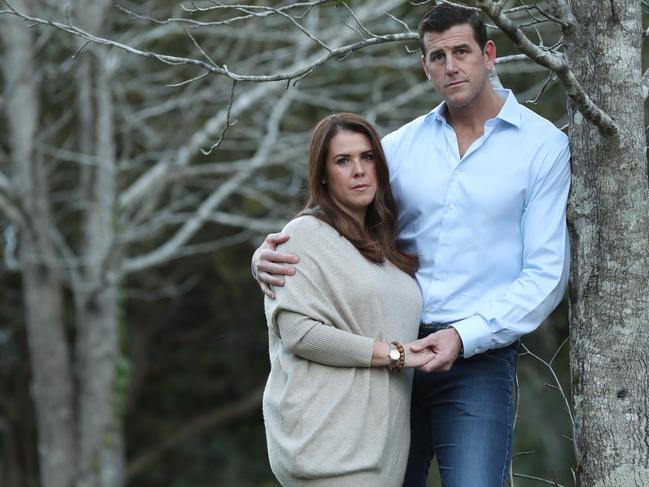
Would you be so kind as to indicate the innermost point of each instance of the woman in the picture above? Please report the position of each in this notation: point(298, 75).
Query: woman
point(336, 407)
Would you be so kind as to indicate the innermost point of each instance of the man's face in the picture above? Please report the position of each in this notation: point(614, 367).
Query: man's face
point(456, 65)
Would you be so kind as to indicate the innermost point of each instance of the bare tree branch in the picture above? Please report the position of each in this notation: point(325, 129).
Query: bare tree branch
point(558, 387)
point(554, 62)
point(228, 123)
point(265, 11)
point(222, 70)
point(512, 58)
point(564, 19)
point(248, 10)
point(200, 248)
point(10, 210)
point(203, 214)
point(221, 168)
point(11, 244)
point(262, 225)
point(551, 77)
point(155, 176)
point(560, 12)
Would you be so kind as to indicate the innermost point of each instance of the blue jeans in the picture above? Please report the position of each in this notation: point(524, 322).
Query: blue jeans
point(464, 416)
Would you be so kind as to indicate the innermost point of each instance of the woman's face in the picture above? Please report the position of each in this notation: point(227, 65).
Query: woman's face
point(350, 173)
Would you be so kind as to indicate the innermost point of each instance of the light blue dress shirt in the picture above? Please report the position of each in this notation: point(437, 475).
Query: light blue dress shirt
point(489, 228)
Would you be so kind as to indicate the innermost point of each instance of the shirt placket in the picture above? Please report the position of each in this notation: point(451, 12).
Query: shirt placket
point(452, 217)
point(448, 221)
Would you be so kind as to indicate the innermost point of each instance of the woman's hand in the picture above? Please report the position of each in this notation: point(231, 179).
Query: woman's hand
point(417, 359)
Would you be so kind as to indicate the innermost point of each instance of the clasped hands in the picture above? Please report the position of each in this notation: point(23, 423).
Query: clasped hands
point(435, 352)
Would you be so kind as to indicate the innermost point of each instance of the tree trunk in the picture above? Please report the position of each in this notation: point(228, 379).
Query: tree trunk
point(52, 383)
point(52, 387)
point(101, 458)
point(609, 218)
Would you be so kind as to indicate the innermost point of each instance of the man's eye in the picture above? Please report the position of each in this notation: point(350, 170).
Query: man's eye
point(462, 52)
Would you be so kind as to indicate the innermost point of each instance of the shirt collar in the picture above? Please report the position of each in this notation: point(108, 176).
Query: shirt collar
point(510, 111)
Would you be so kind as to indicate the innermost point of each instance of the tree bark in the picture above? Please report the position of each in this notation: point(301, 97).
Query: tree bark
point(101, 456)
point(52, 383)
point(609, 219)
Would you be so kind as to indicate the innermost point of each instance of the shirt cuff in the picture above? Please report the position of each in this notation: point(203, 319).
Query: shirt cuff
point(475, 334)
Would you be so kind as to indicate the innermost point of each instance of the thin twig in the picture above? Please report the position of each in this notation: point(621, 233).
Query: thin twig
point(546, 83)
point(226, 126)
point(187, 81)
point(565, 340)
point(538, 479)
point(202, 51)
point(563, 395)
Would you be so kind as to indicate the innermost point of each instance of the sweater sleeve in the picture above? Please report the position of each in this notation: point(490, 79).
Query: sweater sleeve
point(306, 313)
point(323, 343)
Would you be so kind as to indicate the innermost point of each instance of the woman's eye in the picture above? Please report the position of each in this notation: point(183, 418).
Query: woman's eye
point(368, 157)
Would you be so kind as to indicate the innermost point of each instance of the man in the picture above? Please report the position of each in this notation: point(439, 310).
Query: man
point(481, 184)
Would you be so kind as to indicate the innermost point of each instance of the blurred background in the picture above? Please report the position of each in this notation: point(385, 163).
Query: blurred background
point(143, 212)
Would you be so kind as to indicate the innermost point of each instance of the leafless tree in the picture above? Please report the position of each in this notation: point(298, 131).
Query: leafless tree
point(185, 116)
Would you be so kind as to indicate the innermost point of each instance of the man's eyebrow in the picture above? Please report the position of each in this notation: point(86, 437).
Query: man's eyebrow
point(453, 48)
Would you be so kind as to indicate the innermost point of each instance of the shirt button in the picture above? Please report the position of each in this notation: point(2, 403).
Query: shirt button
point(444, 243)
point(456, 172)
point(477, 350)
point(450, 206)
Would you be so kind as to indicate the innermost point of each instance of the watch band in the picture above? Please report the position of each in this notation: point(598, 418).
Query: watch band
point(398, 363)
point(393, 356)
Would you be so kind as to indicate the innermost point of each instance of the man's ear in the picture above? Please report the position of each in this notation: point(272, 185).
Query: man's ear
point(423, 65)
point(490, 52)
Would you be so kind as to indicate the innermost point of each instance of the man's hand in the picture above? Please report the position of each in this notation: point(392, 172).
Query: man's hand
point(445, 345)
point(417, 359)
point(268, 263)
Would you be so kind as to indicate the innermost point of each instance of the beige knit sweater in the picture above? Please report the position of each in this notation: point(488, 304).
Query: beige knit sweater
point(330, 419)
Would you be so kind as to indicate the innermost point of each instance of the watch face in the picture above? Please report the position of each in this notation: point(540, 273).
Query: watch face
point(394, 355)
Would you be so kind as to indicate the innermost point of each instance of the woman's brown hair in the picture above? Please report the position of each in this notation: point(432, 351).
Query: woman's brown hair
point(376, 241)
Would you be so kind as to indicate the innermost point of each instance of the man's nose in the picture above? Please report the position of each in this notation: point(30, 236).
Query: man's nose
point(451, 64)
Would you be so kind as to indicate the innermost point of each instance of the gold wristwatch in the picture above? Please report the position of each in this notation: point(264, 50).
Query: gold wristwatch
point(394, 355)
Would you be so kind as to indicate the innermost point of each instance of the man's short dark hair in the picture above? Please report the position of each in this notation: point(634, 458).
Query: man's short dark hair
point(444, 16)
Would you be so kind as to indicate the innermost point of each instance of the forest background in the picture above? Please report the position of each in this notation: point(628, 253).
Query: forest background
point(199, 170)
